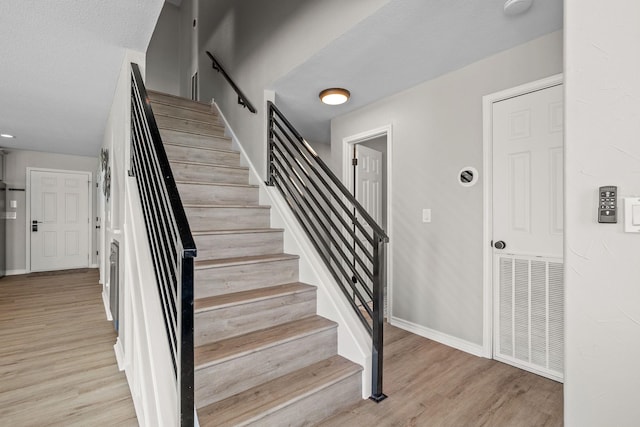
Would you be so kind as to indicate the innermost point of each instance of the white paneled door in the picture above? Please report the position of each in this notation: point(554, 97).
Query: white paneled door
point(368, 192)
point(369, 181)
point(528, 231)
point(59, 223)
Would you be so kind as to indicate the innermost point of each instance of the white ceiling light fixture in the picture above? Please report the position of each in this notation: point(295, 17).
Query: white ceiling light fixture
point(334, 96)
point(6, 135)
point(516, 7)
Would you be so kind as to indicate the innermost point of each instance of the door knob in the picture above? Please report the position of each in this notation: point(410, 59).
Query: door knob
point(500, 244)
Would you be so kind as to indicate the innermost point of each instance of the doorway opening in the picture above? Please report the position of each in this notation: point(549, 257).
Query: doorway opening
point(523, 227)
point(367, 175)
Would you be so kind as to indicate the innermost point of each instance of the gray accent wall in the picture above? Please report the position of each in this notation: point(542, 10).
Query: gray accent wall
point(17, 162)
point(437, 268)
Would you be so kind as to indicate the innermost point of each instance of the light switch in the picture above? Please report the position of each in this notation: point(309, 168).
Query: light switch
point(426, 215)
point(13, 204)
point(632, 214)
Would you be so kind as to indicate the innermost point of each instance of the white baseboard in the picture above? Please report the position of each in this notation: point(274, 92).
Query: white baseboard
point(105, 301)
point(15, 272)
point(117, 348)
point(442, 338)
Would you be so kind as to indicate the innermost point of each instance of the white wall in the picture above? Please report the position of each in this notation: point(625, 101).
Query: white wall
point(323, 151)
point(16, 164)
point(142, 347)
point(163, 53)
point(188, 45)
point(602, 263)
point(437, 130)
point(258, 42)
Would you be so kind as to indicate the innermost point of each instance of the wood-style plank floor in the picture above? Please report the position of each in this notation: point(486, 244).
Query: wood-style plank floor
point(430, 384)
point(57, 364)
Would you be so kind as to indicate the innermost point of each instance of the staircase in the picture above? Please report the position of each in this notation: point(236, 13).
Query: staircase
point(262, 355)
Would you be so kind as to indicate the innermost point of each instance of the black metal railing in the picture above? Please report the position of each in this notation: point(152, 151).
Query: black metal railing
point(350, 242)
point(242, 99)
point(172, 245)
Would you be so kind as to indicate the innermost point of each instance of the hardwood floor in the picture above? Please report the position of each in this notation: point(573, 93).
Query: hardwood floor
point(57, 364)
point(430, 384)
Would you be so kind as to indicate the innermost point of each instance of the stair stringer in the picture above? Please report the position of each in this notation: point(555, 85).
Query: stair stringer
point(354, 343)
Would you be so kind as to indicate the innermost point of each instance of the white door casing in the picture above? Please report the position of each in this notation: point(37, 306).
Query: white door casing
point(527, 189)
point(59, 202)
point(348, 145)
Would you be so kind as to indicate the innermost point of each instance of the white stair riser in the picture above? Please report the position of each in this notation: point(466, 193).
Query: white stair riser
point(195, 140)
point(192, 154)
point(236, 375)
point(244, 277)
point(167, 122)
point(231, 218)
point(231, 321)
point(219, 246)
point(184, 113)
point(181, 102)
point(218, 194)
point(314, 408)
point(202, 173)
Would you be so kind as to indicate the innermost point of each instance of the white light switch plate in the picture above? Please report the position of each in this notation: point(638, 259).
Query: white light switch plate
point(426, 215)
point(632, 214)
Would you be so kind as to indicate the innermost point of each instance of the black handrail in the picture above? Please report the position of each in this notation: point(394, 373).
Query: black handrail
point(348, 240)
point(242, 99)
point(172, 246)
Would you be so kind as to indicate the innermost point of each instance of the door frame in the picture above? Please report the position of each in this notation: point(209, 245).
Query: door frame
point(487, 232)
point(89, 176)
point(347, 178)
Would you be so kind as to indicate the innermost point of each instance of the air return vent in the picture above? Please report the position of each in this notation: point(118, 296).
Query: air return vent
point(530, 318)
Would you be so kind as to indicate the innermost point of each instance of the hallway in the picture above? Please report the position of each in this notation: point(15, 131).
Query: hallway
point(57, 364)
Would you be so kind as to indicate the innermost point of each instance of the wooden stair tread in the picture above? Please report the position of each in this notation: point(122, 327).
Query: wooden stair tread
point(187, 162)
point(251, 405)
point(190, 132)
point(206, 136)
point(220, 184)
point(245, 297)
point(209, 122)
point(198, 108)
point(234, 347)
point(226, 262)
point(180, 98)
point(237, 231)
point(197, 147)
point(212, 206)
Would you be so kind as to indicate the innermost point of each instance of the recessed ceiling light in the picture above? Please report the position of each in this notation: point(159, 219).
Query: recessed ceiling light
point(516, 7)
point(6, 135)
point(334, 96)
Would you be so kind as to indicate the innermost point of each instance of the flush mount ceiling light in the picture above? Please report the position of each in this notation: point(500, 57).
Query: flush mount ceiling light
point(6, 135)
point(516, 7)
point(334, 96)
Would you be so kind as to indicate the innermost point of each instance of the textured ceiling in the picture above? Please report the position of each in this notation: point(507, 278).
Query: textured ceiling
point(60, 61)
point(404, 43)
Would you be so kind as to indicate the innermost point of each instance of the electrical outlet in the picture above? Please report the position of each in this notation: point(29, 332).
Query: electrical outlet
point(426, 215)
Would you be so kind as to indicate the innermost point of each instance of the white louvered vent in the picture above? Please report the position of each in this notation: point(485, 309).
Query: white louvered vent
point(531, 314)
